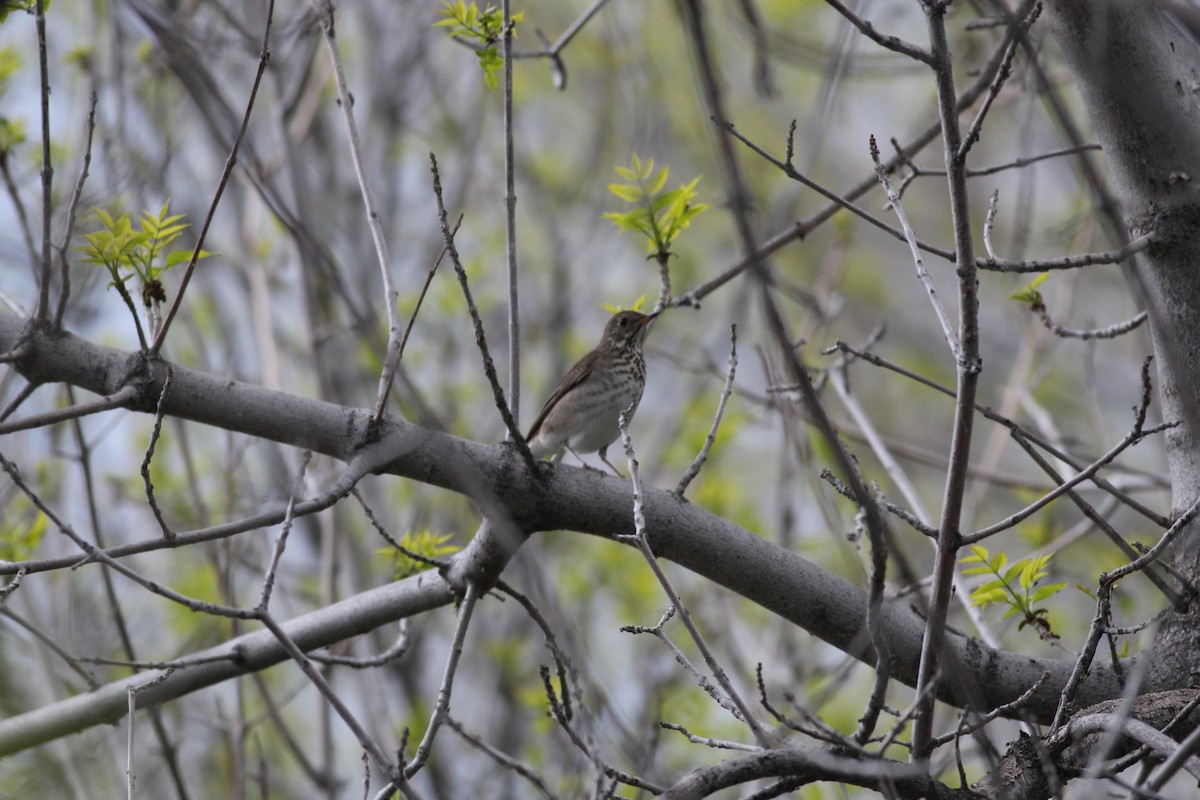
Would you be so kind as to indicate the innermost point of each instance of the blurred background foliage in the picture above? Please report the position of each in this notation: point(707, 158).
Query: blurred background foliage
point(291, 299)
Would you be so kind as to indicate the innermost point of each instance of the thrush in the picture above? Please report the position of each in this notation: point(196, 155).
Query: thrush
point(582, 412)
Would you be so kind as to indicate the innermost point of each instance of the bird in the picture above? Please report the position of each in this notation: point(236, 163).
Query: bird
point(583, 410)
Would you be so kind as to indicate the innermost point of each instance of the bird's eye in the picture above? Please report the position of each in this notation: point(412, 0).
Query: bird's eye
point(623, 321)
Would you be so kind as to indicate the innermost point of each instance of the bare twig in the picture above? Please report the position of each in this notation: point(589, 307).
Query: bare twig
point(133, 693)
point(641, 541)
point(1107, 332)
point(43, 305)
point(230, 162)
point(999, 711)
point(510, 228)
point(718, 744)
point(268, 584)
point(489, 367)
point(1135, 435)
point(442, 707)
point(366, 741)
point(844, 200)
point(994, 263)
point(702, 456)
point(1002, 75)
point(122, 398)
point(393, 653)
point(893, 43)
point(324, 10)
point(168, 534)
point(659, 632)
point(72, 210)
point(392, 362)
point(967, 367)
point(503, 759)
point(988, 413)
point(1100, 621)
point(911, 238)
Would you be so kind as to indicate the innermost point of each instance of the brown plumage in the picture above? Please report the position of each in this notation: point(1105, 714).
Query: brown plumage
point(582, 412)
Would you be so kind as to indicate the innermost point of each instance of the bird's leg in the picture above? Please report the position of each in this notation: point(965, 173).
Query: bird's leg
point(583, 463)
point(609, 463)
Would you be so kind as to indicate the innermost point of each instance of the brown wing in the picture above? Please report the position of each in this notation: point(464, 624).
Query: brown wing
point(575, 376)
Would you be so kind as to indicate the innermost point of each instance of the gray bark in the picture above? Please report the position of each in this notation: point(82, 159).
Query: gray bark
point(1139, 73)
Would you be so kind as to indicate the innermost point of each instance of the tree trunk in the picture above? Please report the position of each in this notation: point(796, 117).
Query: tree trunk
point(1139, 74)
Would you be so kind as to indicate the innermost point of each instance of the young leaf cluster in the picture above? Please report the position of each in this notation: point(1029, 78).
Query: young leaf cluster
point(615, 309)
point(1014, 585)
point(659, 216)
point(12, 131)
point(484, 28)
point(126, 250)
point(8, 6)
point(19, 536)
point(1029, 294)
point(426, 545)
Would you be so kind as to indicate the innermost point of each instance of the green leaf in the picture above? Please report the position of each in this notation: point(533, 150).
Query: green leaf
point(1029, 294)
point(660, 180)
point(978, 554)
point(630, 194)
point(1047, 592)
point(425, 544)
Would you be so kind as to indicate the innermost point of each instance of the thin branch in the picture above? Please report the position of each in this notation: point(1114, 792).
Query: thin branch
point(892, 43)
point(1181, 758)
point(977, 172)
point(510, 228)
point(43, 305)
point(394, 356)
point(442, 707)
point(72, 210)
point(23, 225)
point(121, 399)
point(908, 517)
point(1005, 710)
point(988, 413)
point(996, 264)
point(1177, 755)
point(393, 653)
point(160, 411)
point(1100, 621)
point(610, 772)
point(366, 741)
point(1107, 332)
point(230, 162)
point(802, 228)
point(840, 202)
point(968, 367)
point(489, 367)
point(641, 540)
point(658, 631)
point(717, 744)
point(324, 11)
point(268, 584)
point(503, 759)
point(47, 641)
point(1135, 435)
point(702, 456)
point(1097, 518)
point(879, 641)
point(911, 237)
point(1014, 36)
point(18, 400)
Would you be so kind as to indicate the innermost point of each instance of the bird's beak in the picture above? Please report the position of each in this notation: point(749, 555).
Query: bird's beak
point(646, 320)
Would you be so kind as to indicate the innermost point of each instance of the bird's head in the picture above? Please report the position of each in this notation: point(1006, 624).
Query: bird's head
point(627, 328)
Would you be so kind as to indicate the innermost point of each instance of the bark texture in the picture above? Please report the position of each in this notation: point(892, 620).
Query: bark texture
point(1139, 72)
